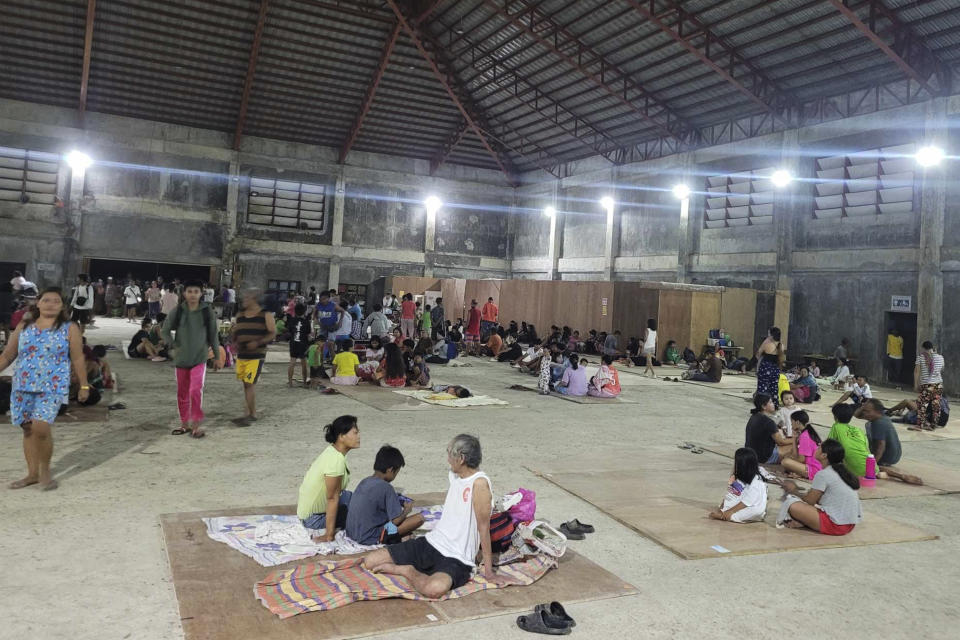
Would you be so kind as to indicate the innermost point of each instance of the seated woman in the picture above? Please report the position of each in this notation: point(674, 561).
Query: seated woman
point(802, 461)
point(805, 388)
point(574, 343)
point(419, 373)
point(373, 356)
point(346, 364)
point(606, 382)
point(762, 433)
point(323, 497)
point(392, 371)
point(574, 380)
point(746, 497)
point(841, 378)
point(511, 351)
point(832, 505)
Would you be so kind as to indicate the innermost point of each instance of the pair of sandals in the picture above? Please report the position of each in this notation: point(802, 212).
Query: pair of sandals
point(690, 447)
point(194, 433)
point(576, 530)
point(548, 619)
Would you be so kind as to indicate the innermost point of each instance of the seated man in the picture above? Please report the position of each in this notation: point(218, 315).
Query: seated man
point(711, 369)
point(884, 441)
point(376, 515)
point(858, 392)
point(444, 558)
point(140, 345)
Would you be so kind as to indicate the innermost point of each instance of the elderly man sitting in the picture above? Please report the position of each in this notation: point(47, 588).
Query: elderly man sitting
point(444, 558)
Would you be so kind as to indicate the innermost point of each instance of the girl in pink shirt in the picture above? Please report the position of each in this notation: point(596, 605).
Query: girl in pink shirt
point(802, 461)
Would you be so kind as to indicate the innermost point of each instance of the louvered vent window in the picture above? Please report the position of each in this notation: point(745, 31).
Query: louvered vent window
point(740, 199)
point(28, 176)
point(867, 183)
point(289, 205)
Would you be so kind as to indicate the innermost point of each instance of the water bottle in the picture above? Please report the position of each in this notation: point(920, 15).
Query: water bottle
point(870, 475)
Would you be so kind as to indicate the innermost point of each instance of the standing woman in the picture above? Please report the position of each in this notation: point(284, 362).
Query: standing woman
point(44, 346)
point(928, 382)
point(650, 346)
point(770, 359)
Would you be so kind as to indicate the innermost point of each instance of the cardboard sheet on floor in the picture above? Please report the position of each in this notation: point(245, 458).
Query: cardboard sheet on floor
point(579, 399)
point(382, 398)
point(670, 508)
point(214, 588)
point(76, 413)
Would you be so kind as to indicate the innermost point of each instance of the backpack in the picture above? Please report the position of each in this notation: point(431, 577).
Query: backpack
point(689, 355)
point(182, 310)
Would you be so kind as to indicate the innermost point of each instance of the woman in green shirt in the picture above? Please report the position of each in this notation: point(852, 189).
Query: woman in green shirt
point(323, 496)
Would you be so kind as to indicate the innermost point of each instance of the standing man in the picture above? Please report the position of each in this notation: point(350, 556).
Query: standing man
point(254, 329)
point(328, 314)
point(894, 357)
point(196, 329)
point(408, 316)
point(131, 297)
point(229, 302)
point(153, 295)
point(488, 317)
point(840, 353)
point(471, 335)
point(81, 303)
point(439, 320)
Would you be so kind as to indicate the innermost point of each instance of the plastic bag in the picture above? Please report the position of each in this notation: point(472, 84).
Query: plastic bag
point(526, 509)
point(540, 536)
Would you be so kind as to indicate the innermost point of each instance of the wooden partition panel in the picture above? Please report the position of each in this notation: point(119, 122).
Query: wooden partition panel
point(781, 314)
point(738, 316)
point(704, 316)
point(520, 301)
point(633, 305)
point(452, 291)
point(480, 290)
point(673, 321)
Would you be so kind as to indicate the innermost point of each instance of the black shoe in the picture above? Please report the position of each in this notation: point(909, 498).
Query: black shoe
point(555, 615)
point(537, 623)
point(570, 533)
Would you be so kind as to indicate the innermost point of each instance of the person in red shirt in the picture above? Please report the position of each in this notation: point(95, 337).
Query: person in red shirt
point(489, 318)
point(471, 336)
point(408, 314)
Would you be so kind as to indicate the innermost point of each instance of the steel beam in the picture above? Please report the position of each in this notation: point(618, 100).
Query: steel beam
point(752, 83)
point(371, 92)
point(87, 53)
point(557, 40)
point(251, 69)
point(911, 55)
point(461, 103)
point(448, 147)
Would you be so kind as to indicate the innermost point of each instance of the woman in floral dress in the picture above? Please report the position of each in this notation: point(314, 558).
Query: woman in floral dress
point(44, 346)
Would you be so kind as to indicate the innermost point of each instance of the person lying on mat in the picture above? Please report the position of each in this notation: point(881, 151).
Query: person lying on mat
point(444, 558)
point(574, 380)
point(323, 496)
point(376, 514)
point(746, 498)
point(906, 412)
point(762, 433)
point(884, 441)
point(606, 382)
point(851, 437)
point(453, 389)
point(832, 505)
point(802, 460)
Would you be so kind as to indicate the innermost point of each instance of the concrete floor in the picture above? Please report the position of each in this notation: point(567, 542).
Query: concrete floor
point(87, 560)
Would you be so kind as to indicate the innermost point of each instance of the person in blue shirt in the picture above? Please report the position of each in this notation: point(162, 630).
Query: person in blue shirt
point(377, 515)
point(328, 315)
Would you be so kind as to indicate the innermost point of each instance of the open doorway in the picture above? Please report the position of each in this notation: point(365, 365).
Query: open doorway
point(101, 268)
point(906, 325)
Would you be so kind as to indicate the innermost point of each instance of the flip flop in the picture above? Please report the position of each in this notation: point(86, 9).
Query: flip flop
point(570, 533)
point(556, 615)
point(686, 445)
point(179, 431)
point(698, 450)
point(536, 623)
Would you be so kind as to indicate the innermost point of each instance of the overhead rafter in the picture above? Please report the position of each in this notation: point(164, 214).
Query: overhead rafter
point(448, 146)
point(371, 91)
point(558, 40)
point(461, 103)
point(87, 53)
point(910, 54)
point(251, 69)
point(732, 66)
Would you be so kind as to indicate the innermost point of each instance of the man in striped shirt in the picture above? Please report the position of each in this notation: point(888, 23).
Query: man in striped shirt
point(253, 330)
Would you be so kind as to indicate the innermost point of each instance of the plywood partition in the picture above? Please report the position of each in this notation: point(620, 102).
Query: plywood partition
point(738, 316)
point(520, 301)
point(673, 322)
point(633, 304)
point(452, 291)
point(704, 316)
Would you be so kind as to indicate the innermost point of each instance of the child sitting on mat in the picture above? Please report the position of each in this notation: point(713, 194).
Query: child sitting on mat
point(832, 505)
point(802, 461)
point(606, 382)
point(376, 514)
point(746, 498)
point(374, 355)
point(392, 371)
point(852, 438)
point(346, 364)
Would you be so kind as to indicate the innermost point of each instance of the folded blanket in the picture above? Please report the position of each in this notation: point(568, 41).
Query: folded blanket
point(324, 585)
point(447, 400)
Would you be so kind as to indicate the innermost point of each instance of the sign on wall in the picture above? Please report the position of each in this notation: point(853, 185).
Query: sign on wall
point(901, 303)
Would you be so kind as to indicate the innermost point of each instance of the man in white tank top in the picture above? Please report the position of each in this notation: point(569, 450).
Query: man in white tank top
point(445, 558)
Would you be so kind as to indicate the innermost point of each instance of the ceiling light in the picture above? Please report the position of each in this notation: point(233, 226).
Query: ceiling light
point(781, 178)
point(930, 156)
point(433, 204)
point(607, 203)
point(549, 212)
point(78, 160)
point(681, 191)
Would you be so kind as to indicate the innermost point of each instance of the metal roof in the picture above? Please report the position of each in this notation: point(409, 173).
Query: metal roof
point(510, 84)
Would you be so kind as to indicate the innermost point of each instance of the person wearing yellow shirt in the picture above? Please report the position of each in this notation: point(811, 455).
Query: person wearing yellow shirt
point(323, 493)
point(894, 356)
point(346, 365)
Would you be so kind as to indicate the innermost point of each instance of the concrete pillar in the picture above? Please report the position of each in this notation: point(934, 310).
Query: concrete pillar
point(789, 206)
point(73, 258)
point(555, 247)
point(340, 194)
point(230, 220)
point(689, 234)
point(933, 195)
point(333, 280)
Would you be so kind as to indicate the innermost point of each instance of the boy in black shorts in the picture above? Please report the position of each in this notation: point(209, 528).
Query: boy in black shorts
point(299, 330)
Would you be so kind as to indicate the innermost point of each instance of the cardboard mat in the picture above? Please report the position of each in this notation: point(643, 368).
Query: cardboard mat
point(578, 399)
point(214, 588)
point(670, 508)
point(76, 413)
point(384, 399)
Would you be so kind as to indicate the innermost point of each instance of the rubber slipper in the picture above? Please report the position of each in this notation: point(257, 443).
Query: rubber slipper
point(685, 445)
point(697, 450)
point(535, 623)
point(570, 533)
point(179, 431)
point(579, 526)
point(555, 614)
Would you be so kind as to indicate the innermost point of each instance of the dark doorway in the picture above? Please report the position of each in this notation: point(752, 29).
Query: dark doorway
point(146, 271)
point(6, 289)
point(906, 324)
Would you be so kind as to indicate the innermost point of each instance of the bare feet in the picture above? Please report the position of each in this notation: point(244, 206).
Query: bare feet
point(793, 524)
point(48, 486)
point(24, 482)
point(911, 479)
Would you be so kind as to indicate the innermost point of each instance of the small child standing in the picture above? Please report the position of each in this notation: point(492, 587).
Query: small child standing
point(315, 361)
point(426, 322)
point(746, 497)
point(543, 384)
point(299, 328)
point(376, 514)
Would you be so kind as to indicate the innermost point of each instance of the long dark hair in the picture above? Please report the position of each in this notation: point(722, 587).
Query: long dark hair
point(396, 367)
point(775, 334)
point(745, 465)
point(760, 400)
point(803, 418)
point(33, 314)
point(340, 426)
point(835, 454)
point(652, 324)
